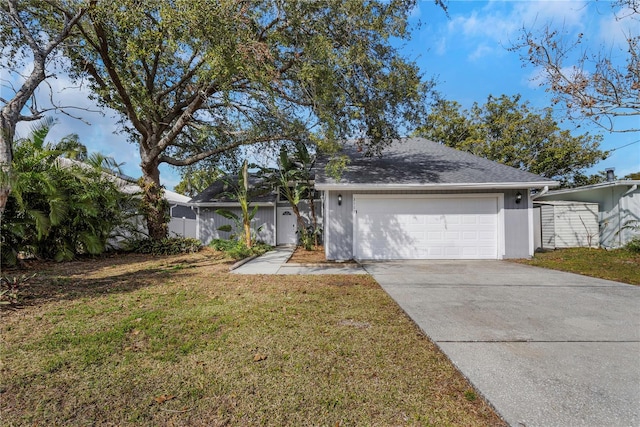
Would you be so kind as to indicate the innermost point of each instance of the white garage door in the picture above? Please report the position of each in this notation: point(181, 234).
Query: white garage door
point(388, 227)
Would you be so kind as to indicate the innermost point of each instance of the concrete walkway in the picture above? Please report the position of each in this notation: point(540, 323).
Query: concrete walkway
point(545, 348)
point(275, 262)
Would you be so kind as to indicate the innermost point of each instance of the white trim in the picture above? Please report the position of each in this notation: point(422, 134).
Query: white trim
point(275, 225)
point(629, 183)
point(435, 186)
point(499, 197)
point(325, 222)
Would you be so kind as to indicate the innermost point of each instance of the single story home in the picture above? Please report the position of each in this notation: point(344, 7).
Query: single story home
point(274, 223)
point(424, 200)
point(618, 207)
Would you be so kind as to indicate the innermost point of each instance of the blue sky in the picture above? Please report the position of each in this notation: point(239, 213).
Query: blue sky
point(466, 52)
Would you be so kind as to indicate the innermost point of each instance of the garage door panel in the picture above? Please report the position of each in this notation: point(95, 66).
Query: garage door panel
point(426, 228)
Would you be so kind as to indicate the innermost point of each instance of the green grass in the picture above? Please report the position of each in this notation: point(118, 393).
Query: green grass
point(620, 265)
point(136, 340)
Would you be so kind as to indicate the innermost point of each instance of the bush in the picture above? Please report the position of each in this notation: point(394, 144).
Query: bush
point(633, 245)
point(166, 246)
point(11, 288)
point(237, 249)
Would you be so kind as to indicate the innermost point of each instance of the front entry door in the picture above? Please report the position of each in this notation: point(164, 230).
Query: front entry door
point(287, 227)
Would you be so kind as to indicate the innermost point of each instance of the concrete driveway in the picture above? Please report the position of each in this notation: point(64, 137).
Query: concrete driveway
point(546, 348)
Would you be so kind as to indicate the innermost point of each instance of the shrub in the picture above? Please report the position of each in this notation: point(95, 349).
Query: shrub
point(166, 246)
point(238, 249)
point(11, 288)
point(633, 245)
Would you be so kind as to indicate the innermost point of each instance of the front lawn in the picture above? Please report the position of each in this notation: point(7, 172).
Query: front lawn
point(619, 265)
point(178, 340)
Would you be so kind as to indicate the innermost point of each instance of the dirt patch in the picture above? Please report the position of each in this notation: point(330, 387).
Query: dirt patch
point(314, 256)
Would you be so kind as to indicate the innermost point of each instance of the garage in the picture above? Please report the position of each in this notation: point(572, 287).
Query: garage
point(427, 226)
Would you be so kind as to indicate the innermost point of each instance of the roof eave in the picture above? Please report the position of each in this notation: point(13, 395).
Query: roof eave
point(229, 204)
point(628, 183)
point(436, 186)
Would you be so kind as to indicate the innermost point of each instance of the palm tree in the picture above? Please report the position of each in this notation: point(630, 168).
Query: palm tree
point(58, 209)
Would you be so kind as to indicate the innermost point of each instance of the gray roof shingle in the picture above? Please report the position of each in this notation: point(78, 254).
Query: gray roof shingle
point(218, 192)
point(415, 161)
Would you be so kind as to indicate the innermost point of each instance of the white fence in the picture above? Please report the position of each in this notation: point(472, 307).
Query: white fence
point(182, 227)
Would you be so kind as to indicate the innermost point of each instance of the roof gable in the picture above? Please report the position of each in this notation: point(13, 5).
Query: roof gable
point(420, 162)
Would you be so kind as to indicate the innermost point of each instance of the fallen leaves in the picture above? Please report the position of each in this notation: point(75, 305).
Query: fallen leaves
point(163, 398)
point(259, 357)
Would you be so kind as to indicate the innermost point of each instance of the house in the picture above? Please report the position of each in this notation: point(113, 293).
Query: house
point(274, 223)
point(618, 207)
point(424, 200)
point(183, 216)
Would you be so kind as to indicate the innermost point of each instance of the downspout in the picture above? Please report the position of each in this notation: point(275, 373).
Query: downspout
point(541, 193)
point(631, 189)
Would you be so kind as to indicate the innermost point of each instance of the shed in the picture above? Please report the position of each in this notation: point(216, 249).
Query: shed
point(565, 224)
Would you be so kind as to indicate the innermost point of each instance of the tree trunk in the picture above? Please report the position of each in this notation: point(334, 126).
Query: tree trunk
point(154, 205)
point(314, 218)
point(7, 131)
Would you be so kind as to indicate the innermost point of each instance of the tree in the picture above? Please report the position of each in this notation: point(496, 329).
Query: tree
point(59, 209)
point(30, 32)
point(593, 85)
point(510, 132)
point(196, 180)
point(196, 79)
point(294, 179)
point(242, 193)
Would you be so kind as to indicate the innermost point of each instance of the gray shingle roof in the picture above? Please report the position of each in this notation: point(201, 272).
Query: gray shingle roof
point(218, 191)
point(416, 161)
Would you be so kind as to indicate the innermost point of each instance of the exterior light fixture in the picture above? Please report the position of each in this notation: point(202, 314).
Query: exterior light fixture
point(518, 197)
point(339, 199)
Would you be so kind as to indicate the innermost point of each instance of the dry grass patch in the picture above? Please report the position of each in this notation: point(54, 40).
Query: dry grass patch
point(178, 341)
point(620, 265)
point(313, 256)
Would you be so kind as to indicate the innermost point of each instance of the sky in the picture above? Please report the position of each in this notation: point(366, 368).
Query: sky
point(466, 51)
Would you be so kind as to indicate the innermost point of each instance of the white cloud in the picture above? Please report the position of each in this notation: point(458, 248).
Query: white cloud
point(496, 25)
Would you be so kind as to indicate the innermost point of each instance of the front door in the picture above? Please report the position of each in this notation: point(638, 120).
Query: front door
point(286, 227)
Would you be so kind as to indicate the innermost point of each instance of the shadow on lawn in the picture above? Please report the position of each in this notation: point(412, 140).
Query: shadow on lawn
point(111, 273)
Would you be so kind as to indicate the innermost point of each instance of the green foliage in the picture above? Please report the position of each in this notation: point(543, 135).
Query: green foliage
point(195, 181)
point(510, 132)
point(633, 245)
point(12, 288)
point(59, 208)
point(310, 237)
point(241, 192)
point(166, 246)
point(199, 80)
point(237, 249)
point(293, 179)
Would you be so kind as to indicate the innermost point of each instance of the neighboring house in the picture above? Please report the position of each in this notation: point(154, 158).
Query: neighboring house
point(184, 221)
point(560, 224)
point(274, 222)
point(618, 205)
point(424, 200)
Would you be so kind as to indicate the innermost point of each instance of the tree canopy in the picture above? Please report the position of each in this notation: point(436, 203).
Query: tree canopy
point(598, 85)
point(509, 131)
point(31, 33)
point(195, 79)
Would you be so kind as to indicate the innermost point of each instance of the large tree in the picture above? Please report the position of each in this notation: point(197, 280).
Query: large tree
point(511, 132)
point(194, 79)
point(31, 32)
point(599, 85)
